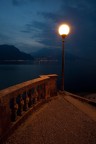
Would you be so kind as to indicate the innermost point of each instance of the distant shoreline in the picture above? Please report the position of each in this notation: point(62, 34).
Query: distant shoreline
point(27, 61)
point(16, 61)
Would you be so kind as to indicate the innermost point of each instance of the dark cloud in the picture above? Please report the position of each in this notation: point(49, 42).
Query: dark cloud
point(34, 29)
point(50, 15)
point(18, 2)
point(28, 28)
point(38, 24)
point(44, 32)
point(4, 38)
point(25, 31)
point(80, 4)
point(34, 26)
point(22, 2)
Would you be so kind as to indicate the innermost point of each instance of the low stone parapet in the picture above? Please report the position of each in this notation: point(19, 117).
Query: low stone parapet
point(17, 99)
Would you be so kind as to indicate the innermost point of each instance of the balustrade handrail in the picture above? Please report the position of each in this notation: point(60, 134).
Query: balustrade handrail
point(22, 85)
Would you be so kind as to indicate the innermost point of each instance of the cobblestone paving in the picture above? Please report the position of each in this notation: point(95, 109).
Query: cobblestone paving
point(56, 122)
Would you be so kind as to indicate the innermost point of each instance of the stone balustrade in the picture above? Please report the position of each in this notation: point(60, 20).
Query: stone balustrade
point(17, 99)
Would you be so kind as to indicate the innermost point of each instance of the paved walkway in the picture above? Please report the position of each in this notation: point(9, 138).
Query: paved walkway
point(56, 122)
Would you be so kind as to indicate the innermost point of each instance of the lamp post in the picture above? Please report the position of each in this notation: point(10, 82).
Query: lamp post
point(63, 31)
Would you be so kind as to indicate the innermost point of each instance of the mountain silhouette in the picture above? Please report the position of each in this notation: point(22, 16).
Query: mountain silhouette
point(54, 54)
point(10, 52)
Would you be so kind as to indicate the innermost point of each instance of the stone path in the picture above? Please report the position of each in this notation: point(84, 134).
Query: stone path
point(56, 122)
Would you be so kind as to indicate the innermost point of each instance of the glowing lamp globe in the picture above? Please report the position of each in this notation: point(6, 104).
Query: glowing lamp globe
point(64, 30)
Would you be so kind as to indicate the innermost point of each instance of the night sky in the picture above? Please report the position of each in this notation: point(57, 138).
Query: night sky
point(33, 24)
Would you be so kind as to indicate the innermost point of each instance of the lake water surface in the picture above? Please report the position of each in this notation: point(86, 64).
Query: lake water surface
point(79, 77)
point(13, 74)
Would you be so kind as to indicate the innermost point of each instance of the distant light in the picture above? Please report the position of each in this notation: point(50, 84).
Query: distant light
point(64, 29)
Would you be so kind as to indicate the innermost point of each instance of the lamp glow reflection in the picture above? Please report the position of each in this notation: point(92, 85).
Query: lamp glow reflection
point(64, 30)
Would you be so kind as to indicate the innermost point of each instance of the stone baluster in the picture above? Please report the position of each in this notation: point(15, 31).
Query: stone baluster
point(14, 108)
point(43, 91)
point(30, 98)
point(47, 89)
point(35, 95)
point(39, 93)
point(26, 101)
point(20, 104)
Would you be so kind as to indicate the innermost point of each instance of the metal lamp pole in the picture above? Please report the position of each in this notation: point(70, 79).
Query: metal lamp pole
point(63, 31)
point(62, 85)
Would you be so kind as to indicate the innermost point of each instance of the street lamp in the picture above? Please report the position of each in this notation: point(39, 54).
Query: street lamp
point(64, 30)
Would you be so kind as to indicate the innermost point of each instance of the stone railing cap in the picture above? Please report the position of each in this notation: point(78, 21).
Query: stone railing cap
point(49, 75)
point(14, 88)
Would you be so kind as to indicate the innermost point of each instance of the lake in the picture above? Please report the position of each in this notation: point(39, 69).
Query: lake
point(79, 76)
point(14, 74)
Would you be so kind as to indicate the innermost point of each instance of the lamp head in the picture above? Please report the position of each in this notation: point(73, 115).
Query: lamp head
point(64, 30)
